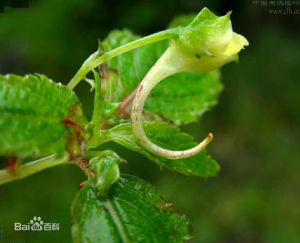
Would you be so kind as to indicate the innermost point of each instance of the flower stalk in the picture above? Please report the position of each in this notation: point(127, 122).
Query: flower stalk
point(99, 57)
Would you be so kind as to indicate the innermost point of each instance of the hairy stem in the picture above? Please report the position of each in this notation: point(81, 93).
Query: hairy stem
point(166, 65)
point(98, 57)
point(31, 168)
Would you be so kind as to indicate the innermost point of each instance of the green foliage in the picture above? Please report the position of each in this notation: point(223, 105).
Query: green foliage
point(38, 117)
point(254, 199)
point(171, 99)
point(168, 137)
point(133, 212)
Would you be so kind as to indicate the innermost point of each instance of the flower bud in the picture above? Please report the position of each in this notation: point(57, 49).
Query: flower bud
point(104, 171)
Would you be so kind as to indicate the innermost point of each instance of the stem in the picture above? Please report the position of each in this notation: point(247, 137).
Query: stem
point(126, 102)
point(168, 64)
point(31, 168)
point(100, 137)
point(98, 58)
point(98, 103)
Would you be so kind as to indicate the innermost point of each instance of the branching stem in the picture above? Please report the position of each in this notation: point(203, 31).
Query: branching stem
point(32, 168)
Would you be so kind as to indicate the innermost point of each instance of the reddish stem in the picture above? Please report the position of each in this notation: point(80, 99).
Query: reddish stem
point(126, 102)
point(13, 162)
point(82, 184)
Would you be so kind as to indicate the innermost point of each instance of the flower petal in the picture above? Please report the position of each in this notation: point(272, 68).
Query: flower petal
point(236, 43)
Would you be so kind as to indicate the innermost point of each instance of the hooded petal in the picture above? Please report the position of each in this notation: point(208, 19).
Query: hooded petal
point(207, 34)
point(237, 42)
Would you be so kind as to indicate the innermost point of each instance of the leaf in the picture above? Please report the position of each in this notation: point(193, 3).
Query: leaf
point(168, 137)
point(181, 98)
point(39, 117)
point(133, 212)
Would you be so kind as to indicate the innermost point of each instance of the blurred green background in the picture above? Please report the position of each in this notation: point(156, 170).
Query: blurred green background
point(255, 197)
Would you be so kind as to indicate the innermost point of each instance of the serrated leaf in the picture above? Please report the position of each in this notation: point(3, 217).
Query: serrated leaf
point(133, 212)
point(168, 137)
point(181, 98)
point(38, 117)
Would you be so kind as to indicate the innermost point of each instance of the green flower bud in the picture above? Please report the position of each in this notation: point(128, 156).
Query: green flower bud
point(104, 171)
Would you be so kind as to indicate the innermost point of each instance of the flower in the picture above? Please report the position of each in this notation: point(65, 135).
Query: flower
point(207, 43)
